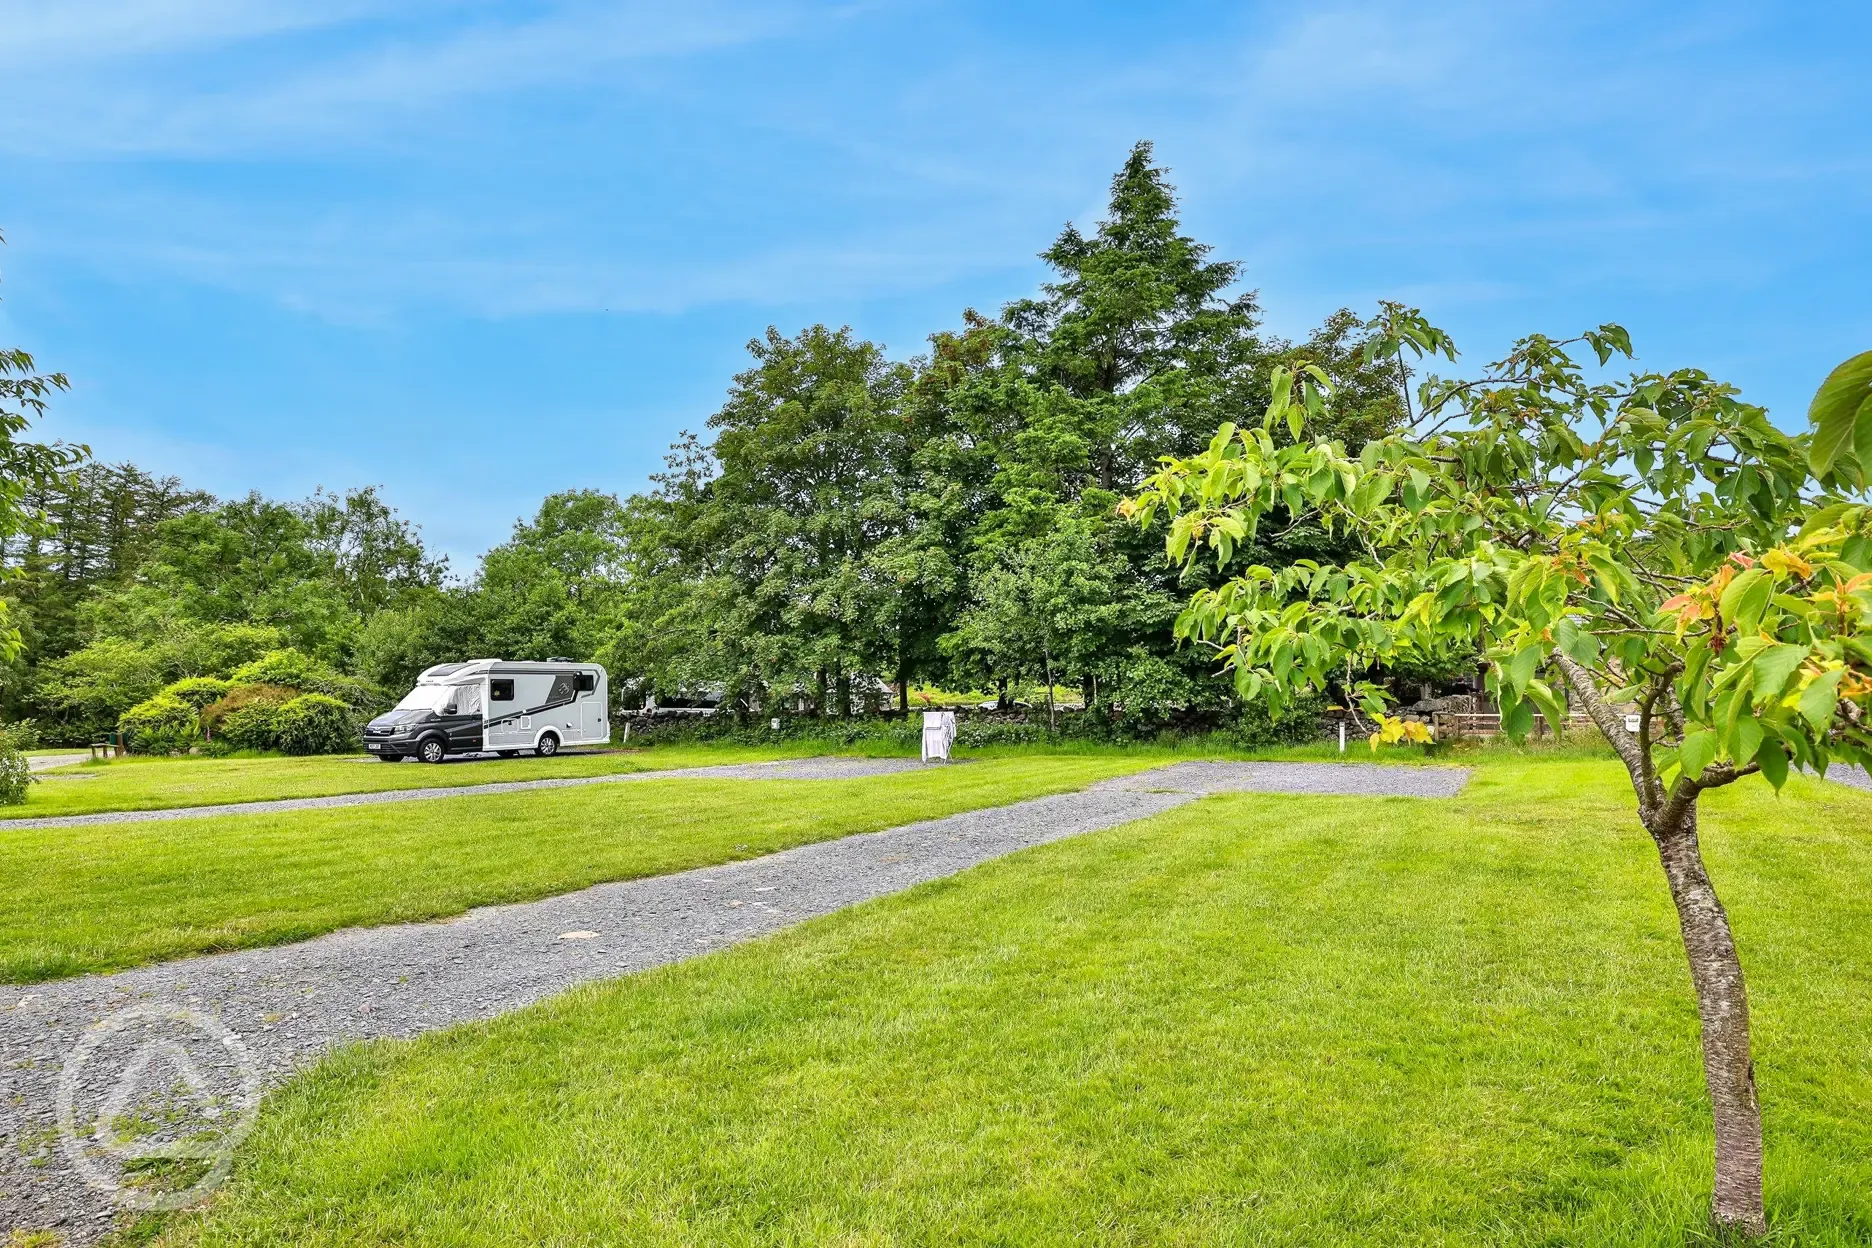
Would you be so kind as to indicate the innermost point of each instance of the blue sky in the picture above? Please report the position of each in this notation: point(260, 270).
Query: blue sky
point(478, 251)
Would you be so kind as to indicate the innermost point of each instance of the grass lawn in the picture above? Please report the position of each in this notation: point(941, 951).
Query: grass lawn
point(141, 782)
point(1255, 1020)
point(106, 896)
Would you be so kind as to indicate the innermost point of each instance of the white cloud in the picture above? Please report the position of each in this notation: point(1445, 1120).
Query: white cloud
point(86, 82)
point(36, 35)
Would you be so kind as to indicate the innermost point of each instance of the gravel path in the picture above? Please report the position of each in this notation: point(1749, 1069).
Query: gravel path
point(46, 762)
point(1843, 773)
point(790, 769)
point(289, 1004)
point(1327, 779)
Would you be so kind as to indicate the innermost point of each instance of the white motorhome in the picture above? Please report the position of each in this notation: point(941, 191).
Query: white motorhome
point(493, 704)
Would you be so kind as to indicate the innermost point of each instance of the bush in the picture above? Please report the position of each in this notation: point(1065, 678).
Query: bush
point(15, 772)
point(973, 734)
point(215, 715)
point(158, 725)
point(199, 691)
point(21, 734)
point(296, 670)
point(1254, 727)
point(251, 727)
point(315, 723)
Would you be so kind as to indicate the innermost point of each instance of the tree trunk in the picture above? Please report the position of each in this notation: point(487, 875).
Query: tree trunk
point(903, 694)
point(1715, 968)
point(1001, 688)
point(1722, 1003)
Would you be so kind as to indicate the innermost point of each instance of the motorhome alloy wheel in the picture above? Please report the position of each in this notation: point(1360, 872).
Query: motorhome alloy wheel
point(548, 745)
point(433, 751)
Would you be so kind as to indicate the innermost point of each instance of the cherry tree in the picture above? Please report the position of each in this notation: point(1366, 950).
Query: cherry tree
point(1653, 550)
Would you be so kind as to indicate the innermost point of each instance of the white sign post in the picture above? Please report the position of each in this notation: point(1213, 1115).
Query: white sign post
point(939, 731)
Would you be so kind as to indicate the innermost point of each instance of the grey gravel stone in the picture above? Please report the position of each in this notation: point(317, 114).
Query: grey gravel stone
point(788, 769)
point(1345, 779)
point(290, 1004)
point(1845, 774)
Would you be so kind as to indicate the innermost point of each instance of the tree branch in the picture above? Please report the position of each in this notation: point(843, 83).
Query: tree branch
point(1607, 720)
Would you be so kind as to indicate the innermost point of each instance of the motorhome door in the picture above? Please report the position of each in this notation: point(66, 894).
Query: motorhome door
point(507, 727)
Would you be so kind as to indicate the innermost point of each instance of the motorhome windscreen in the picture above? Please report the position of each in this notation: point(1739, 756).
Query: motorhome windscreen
point(426, 698)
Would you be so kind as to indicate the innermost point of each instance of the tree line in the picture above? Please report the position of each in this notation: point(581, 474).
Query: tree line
point(848, 526)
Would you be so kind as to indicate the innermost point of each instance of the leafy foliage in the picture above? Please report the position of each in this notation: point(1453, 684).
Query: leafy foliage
point(1656, 542)
point(313, 723)
point(15, 771)
point(159, 723)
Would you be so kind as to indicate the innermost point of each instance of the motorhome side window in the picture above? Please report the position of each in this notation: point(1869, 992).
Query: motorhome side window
point(500, 691)
point(587, 682)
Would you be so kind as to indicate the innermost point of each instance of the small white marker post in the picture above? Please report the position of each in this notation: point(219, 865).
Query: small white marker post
point(1342, 736)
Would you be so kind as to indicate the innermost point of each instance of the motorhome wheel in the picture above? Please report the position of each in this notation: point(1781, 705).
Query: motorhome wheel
point(433, 751)
point(548, 745)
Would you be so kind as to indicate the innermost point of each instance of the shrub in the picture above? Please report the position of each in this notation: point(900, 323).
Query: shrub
point(1255, 725)
point(215, 715)
point(315, 723)
point(251, 727)
point(973, 734)
point(159, 724)
point(15, 771)
point(22, 734)
point(292, 668)
point(199, 691)
point(297, 670)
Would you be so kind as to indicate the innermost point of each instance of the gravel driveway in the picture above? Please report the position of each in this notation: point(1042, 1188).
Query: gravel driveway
point(291, 1003)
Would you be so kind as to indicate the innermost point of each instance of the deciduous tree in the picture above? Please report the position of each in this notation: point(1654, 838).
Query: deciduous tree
point(1653, 549)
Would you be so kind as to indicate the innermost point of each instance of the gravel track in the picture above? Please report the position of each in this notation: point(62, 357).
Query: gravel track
point(791, 769)
point(290, 1004)
point(1843, 773)
point(1325, 779)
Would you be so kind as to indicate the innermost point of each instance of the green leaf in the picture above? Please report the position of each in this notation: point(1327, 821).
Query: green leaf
point(1753, 602)
point(1745, 738)
point(1818, 700)
point(1773, 760)
point(1731, 601)
point(1517, 720)
point(1698, 752)
point(1576, 641)
point(1544, 698)
point(1839, 407)
point(1773, 666)
point(1521, 668)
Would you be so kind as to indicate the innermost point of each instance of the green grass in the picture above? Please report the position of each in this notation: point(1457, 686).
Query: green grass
point(106, 896)
point(161, 783)
point(1256, 1020)
point(141, 782)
